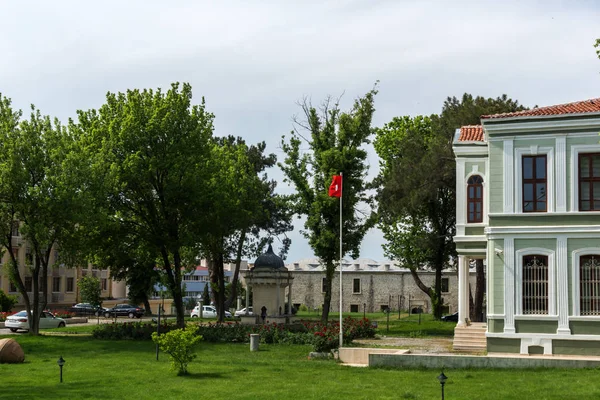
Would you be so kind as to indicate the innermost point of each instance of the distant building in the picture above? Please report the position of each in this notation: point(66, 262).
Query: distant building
point(369, 286)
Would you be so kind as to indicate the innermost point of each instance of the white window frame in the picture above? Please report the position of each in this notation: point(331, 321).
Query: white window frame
point(575, 151)
point(484, 203)
point(575, 263)
point(518, 178)
point(519, 254)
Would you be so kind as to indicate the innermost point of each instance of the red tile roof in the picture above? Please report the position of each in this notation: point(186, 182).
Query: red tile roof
point(578, 107)
point(471, 133)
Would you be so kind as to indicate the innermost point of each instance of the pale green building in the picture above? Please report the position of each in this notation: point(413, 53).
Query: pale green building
point(528, 203)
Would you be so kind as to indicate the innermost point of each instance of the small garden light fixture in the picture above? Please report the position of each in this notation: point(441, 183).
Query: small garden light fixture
point(442, 378)
point(61, 361)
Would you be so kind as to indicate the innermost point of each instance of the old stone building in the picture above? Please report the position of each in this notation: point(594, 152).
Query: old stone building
point(370, 286)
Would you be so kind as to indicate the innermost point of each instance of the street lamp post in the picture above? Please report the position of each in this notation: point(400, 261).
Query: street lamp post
point(442, 378)
point(61, 361)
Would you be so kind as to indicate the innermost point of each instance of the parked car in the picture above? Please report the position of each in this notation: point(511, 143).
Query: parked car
point(20, 321)
point(241, 312)
point(450, 318)
point(87, 309)
point(121, 310)
point(207, 312)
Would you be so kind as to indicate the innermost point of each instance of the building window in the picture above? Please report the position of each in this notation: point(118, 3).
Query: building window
point(535, 284)
point(104, 284)
point(28, 284)
point(589, 182)
point(445, 285)
point(70, 284)
point(475, 199)
point(356, 285)
point(56, 284)
point(589, 285)
point(324, 285)
point(354, 308)
point(15, 228)
point(534, 184)
point(12, 287)
point(28, 256)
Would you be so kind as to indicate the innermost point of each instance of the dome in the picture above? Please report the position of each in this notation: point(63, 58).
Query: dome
point(269, 260)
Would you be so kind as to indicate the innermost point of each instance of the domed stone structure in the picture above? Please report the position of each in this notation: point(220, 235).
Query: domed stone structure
point(268, 280)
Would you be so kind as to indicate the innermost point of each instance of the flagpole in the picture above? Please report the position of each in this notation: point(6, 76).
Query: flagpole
point(341, 326)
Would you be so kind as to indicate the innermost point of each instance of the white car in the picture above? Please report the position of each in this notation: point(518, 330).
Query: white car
point(19, 321)
point(207, 312)
point(241, 312)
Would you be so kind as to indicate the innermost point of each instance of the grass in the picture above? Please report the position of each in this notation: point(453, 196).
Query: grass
point(97, 369)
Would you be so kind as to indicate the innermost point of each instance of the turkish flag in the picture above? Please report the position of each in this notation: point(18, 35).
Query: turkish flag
point(335, 189)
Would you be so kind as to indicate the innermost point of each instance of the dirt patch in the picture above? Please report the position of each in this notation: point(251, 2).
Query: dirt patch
point(415, 345)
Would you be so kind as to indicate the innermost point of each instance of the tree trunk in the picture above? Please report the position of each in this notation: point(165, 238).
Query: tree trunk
point(479, 291)
point(236, 273)
point(173, 275)
point(326, 298)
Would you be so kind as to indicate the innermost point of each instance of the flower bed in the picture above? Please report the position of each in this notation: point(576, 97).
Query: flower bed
point(323, 337)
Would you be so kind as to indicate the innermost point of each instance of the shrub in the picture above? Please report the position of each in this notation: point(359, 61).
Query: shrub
point(7, 301)
point(303, 307)
point(129, 330)
point(178, 344)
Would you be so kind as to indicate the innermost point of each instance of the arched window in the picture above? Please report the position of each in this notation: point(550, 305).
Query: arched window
point(535, 284)
point(589, 275)
point(475, 199)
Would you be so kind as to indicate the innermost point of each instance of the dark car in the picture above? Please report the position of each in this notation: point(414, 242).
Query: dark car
point(87, 309)
point(450, 318)
point(128, 310)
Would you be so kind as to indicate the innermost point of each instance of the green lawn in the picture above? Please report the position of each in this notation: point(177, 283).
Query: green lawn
point(97, 369)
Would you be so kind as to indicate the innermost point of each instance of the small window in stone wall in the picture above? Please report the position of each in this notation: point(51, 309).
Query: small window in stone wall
point(353, 307)
point(70, 284)
point(324, 285)
point(445, 285)
point(356, 285)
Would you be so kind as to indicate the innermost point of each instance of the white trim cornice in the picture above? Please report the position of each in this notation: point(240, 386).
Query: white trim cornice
point(479, 150)
point(499, 128)
point(541, 230)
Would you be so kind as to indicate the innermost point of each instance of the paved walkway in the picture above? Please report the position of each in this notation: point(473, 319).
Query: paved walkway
point(430, 345)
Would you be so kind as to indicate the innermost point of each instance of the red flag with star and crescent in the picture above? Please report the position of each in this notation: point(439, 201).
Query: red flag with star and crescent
point(335, 189)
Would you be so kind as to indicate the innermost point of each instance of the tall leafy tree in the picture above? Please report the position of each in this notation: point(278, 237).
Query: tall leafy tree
point(336, 143)
point(150, 159)
point(417, 203)
point(38, 194)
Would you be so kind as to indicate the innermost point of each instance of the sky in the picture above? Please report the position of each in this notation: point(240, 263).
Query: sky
point(253, 61)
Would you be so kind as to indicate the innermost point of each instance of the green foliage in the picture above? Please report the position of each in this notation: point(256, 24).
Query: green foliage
point(7, 301)
point(129, 330)
point(303, 308)
point(90, 290)
point(149, 160)
point(417, 203)
point(597, 46)
point(179, 344)
point(322, 336)
point(205, 296)
point(335, 143)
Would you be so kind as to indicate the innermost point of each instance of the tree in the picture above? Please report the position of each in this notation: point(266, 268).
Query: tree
point(597, 46)
point(150, 155)
point(39, 195)
point(90, 290)
point(336, 141)
point(206, 296)
point(417, 187)
point(245, 208)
